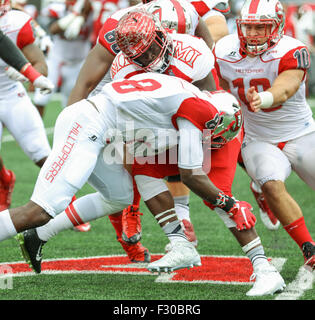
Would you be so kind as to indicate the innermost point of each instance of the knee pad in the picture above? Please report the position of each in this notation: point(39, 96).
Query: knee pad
point(149, 187)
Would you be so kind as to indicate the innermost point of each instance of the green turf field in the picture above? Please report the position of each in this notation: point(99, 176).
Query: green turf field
point(220, 277)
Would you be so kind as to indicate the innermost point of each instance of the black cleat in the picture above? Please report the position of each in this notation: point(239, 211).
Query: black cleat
point(31, 247)
point(308, 249)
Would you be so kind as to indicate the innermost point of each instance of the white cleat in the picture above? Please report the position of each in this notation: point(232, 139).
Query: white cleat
point(268, 281)
point(182, 255)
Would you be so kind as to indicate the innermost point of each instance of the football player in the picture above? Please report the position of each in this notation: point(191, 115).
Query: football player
point(18, 113)
point(266, 71)
point(81, 133)
point(201, 71)
point(180, 55)
point(11, 55)
point(175, 14)
point(70, 26)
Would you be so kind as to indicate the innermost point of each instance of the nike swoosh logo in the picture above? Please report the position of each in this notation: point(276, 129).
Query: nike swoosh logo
point(38, 255)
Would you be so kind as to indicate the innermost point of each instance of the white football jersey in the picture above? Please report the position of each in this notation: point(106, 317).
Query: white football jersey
point(148, 112)
point(192, 60)
point(17, 25)
point(285, 122)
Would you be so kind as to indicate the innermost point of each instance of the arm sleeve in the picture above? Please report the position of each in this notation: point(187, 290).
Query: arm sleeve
point(10, 53)
point(190, 151)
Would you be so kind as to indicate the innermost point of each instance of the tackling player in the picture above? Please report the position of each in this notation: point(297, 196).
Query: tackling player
point(81, 133)
point(266, 71)
point(194, 114)
point(178, 14)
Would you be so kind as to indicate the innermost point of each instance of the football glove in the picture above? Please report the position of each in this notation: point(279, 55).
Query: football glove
point(14, 74)
point(241, 214)
point(74, 28)
point(45, 85)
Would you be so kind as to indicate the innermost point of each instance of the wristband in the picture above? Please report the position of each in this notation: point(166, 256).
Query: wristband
point(266, 98)
point(30, 72)
point(224, 202)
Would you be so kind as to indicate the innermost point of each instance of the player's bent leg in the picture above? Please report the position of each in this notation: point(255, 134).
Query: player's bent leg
point(86, 208)
point(160, 202)
point(266, 215)
point(267, 279)
point(111, 198)
point(281, 203)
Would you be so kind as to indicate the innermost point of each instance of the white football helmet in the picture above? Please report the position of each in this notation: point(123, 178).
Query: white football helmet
point(260, 12)
point(228, 122)
point(140, 34)
point(173, 14)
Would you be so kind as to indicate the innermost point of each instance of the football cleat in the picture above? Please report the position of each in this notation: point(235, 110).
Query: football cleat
point(308, 249)
point(131, 224)
point(84, 227)
point(6, 190)
point(189, 232)
point(266, 215)
point(182, 255)
point(31, 247)
point(268, 281)
point(137, 253)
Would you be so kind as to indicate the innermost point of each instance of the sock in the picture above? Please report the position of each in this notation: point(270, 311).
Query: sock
point(117, 224)
point(298, 232)
point(174, 231)
point(256, 253)
point(257, 257)
point(5, 175)
point(84, 209)
point(7, 229)
point(136, 194)
point(182, 207)
point(54, 226)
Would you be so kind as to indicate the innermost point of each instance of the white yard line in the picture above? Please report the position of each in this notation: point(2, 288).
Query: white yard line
point(294, 290)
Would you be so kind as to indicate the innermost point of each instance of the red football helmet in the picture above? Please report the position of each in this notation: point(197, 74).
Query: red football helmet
point(5, 6)
point(267, 13)
point(143, 40)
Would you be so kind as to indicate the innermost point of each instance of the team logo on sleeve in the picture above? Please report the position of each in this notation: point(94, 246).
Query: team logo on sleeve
point(188, 54)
